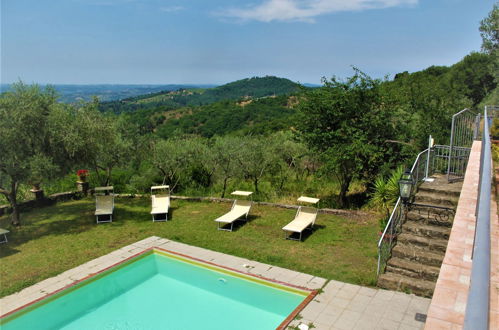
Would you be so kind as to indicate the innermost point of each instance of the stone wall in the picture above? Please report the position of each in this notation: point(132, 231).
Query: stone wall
point(64, 196)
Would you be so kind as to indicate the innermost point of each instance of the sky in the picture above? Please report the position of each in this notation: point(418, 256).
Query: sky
point(218, 41)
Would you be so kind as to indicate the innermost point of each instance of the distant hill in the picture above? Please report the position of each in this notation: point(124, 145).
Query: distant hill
point(262, 115)
point(249, 88)
point(105, 92)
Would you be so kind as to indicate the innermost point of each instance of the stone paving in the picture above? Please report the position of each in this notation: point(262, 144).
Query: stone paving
point(338, 306)
point(347, 306)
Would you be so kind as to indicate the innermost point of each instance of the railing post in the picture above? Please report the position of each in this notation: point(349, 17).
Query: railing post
point(476, 131)
point(450, 146)
point(427, 169)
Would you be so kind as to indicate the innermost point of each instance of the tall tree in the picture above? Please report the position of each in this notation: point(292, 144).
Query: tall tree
point(489, 30)
point(348, 122)
point(30, 146)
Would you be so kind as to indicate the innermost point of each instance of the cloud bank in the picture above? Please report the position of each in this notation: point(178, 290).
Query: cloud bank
point(305, 10)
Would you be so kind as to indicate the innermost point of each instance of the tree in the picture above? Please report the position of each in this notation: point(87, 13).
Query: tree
point(225, 151)
point(489, 30)
point(288, 154)
point(96, 140)
point(256, 158)
point(30, 146)
point(472, 76)
point(348, 122)
point(174, 158)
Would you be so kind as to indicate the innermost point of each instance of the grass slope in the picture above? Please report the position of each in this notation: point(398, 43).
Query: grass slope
point(55, 239)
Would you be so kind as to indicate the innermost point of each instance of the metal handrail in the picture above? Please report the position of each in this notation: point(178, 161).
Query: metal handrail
point(388, 225)
point(477, 306)
point(394, 221)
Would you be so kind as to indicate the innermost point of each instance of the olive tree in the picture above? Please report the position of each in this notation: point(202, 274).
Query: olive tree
point(256, 158)
point(31, 148)
point(225, 154)
point(95, 140)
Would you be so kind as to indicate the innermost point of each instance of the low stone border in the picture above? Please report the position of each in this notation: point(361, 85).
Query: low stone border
point(59, 197)
point(49, 200)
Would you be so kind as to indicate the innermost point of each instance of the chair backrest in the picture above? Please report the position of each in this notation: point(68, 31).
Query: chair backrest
point(104, 200)
point(161, 195)
point(109, 190)
point(242, 205)
point(306, 212)
point(160, 190)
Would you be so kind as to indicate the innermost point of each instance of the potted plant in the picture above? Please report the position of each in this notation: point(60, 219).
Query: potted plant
point(82, 175)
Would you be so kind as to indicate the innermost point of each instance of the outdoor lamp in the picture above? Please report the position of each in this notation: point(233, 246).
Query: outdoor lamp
point(406, 184)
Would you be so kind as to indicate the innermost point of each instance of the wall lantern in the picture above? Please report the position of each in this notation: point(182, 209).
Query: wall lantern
point(406, 185)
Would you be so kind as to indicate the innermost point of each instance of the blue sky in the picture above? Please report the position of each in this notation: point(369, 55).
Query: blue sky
point(218, 41)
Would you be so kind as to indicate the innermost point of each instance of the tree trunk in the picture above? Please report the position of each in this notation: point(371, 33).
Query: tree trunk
point(12, 197)
point(255, 183)
point(344, 186)
point(225, 187)
point(108, 176)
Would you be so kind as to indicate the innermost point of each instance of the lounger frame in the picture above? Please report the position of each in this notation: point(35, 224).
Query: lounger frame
point(163, 216)
point(104, 191)
point(221, 224)
point(288, 233)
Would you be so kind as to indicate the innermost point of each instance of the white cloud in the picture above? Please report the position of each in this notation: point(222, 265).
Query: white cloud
point(306, 10)
point(172, 9)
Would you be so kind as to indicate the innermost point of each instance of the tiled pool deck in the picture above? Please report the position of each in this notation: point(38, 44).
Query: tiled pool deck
point(338, 306)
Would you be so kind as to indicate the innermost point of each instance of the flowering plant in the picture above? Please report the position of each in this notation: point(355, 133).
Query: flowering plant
point(82, 173)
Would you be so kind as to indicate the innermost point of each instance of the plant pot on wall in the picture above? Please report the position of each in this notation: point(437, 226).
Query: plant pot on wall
point(82, 175)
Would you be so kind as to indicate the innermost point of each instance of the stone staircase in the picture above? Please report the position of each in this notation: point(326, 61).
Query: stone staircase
point(420, 248)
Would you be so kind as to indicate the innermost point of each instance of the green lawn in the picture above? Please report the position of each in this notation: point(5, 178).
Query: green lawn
point(55, 239)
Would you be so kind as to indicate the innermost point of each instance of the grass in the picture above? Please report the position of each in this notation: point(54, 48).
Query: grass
point(57, 238)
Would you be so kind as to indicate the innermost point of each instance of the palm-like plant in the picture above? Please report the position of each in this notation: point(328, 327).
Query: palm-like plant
point(385, 193)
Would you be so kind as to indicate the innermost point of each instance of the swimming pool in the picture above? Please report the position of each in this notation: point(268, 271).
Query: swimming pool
point(162, 290)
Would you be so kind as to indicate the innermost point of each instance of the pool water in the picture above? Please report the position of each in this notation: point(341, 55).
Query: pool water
point(163, 292)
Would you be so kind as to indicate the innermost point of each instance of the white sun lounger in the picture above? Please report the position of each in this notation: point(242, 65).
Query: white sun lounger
point(305, 218)
point(160, 200)
point(240, 208)
point(104, 204)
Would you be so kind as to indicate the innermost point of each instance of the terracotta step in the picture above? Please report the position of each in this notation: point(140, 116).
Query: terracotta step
point(421, 229)
point(416, 253)
point(399, 282)
point(428, 243)
point(412, 269)
point(432, 198)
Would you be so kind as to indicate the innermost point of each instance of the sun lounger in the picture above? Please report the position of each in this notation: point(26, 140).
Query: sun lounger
point(104, 204)
point(160, 199)
point(3, 232)
point(305, 218)
point(240, 209)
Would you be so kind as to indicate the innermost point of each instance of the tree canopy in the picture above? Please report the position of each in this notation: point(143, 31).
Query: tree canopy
point(348, 122)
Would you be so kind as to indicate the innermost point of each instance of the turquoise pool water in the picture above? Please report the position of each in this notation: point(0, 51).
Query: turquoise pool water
point(160, 292)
